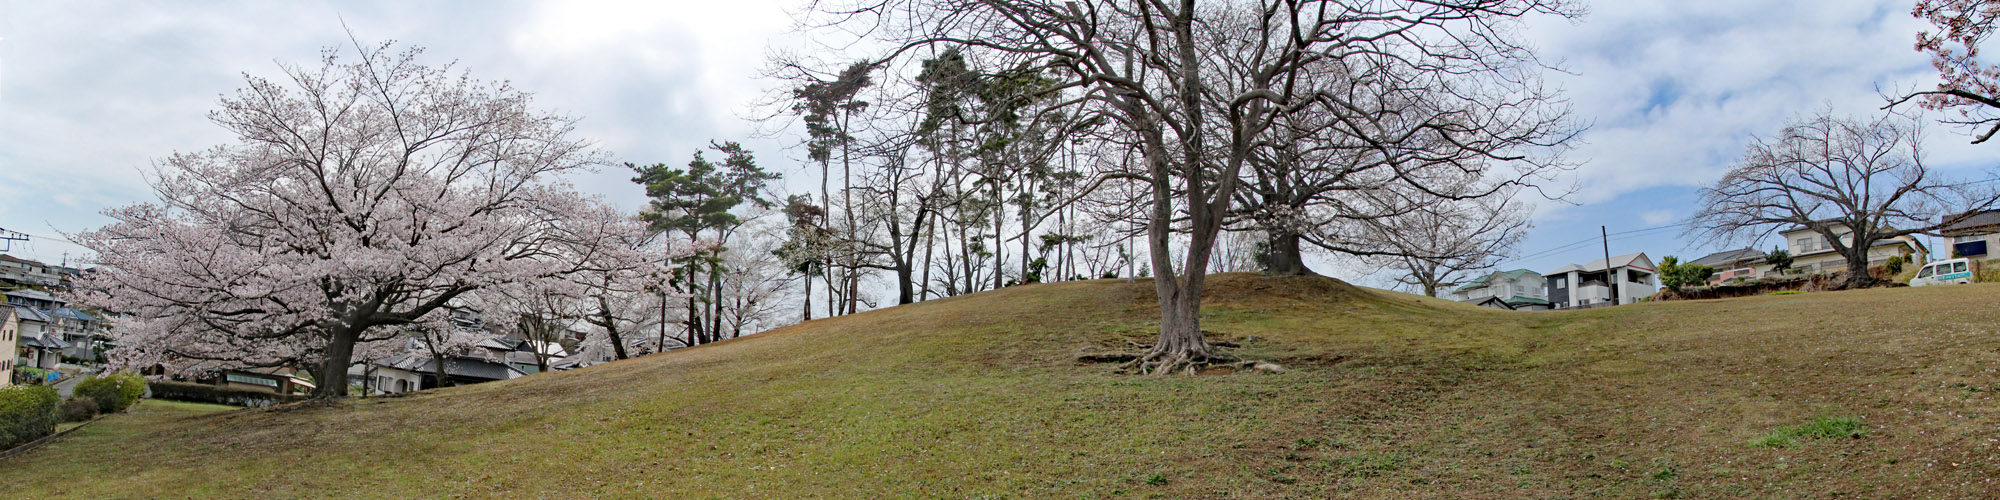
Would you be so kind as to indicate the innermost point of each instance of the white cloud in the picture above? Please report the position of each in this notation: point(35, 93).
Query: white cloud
point(1657, 217)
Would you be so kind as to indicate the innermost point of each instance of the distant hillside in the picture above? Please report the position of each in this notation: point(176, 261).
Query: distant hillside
point(1386, 395)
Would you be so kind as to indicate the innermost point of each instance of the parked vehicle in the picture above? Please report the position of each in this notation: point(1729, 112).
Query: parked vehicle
point(1943, 272)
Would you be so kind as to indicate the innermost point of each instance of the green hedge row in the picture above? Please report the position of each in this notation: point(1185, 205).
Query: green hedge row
point(27, 412)
point(203, 393)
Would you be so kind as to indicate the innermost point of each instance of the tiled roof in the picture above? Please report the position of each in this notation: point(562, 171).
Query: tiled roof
point(1982, 219)
point(1727, 257)
point(31, 314)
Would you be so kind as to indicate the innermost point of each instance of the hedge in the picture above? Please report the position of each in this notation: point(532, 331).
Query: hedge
point(202, 393)
point(27, 413)
point(113, 393)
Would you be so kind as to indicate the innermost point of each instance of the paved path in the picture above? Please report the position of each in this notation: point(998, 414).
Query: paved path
point(68, 385)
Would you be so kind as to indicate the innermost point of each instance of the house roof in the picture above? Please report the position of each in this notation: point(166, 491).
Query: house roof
point(1632, 260)
point(1483, 281)
point(456, 366)
point(10, 258)
point(49, 341)
point(1728, 257)
point(1520, 300)
point(72, 313)
point(1978, 220)
point(35, 295)
point(31, 314)
point(1492, 300)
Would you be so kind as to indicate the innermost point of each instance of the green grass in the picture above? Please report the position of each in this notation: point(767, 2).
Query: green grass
point(1819, 428)
point(1385, 395)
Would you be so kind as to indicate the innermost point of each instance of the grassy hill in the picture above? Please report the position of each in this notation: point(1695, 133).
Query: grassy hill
point(1386, 395)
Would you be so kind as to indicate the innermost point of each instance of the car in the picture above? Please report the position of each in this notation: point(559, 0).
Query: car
point(1944, 272)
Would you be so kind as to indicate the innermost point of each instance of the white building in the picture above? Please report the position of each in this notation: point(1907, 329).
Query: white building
point(1519, 289)
point(1974, 237)
point(1811, 253)
point(1633, 275)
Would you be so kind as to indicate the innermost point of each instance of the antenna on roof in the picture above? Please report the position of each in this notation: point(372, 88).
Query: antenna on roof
point(7, 239)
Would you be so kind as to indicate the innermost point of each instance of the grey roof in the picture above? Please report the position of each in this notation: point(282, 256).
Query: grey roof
point(457, 366)
point(1726, 257)
point(50, 341)
point(31, 314)
point(34, 294)
point(1978, 220)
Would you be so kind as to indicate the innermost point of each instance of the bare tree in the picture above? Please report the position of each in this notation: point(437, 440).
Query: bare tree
point(1198, 119)
point(1439, 245)
point(1853, 181)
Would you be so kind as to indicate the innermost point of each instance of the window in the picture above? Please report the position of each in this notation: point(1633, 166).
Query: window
point(1562, 283)
point(251, 380)
point(1958, 267)
point(1926, 273)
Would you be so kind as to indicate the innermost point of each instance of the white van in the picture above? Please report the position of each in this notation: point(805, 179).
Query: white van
point(1954, 271)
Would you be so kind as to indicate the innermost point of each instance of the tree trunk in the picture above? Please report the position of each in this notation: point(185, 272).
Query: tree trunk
point(1857, 269)
point(1282, 256)
point(610, 325)
point(438, 357)
point(806, 312)
point(333, 369)
point(930, 243)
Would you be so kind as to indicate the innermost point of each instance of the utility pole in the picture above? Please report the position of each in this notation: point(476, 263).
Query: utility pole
point(1610, 280)
point(7, 239)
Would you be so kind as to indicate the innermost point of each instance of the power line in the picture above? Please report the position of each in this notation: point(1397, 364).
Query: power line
point(1627, 235)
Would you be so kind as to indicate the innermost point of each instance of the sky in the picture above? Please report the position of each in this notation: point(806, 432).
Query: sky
point(92, 93)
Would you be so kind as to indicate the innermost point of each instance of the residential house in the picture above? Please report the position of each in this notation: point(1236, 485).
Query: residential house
point(39, 345)
point(10, 332)
point(1975, 237)
point(1745, 263)
point(271, 380)
point(83, 333)
point(35, 298)
point(496, 358)
point(24, 272)
point(1633, 275)
point(1811, 253)
point(1519, 289)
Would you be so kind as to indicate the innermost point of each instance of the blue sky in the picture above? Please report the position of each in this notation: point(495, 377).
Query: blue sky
point(92, 92)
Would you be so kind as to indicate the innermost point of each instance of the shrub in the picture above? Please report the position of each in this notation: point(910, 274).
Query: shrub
point(113, 393)
point(1785, 292)
point(1676, 275)
point(1894, 265)
point(26, 413)
point(78, 410)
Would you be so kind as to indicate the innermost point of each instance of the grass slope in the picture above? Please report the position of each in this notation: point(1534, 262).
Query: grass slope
point(1388, 395)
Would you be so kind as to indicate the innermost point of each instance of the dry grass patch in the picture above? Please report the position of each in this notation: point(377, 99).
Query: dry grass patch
point(1386, 395)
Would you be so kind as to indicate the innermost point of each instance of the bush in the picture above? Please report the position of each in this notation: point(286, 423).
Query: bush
point(201, 393)
point(1894, 265)
point(78, 410)
point(27, 413)
point(113, 393)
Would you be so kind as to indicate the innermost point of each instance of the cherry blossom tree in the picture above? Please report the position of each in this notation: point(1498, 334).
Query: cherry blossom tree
point(360, 196)
point(1967, 86)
